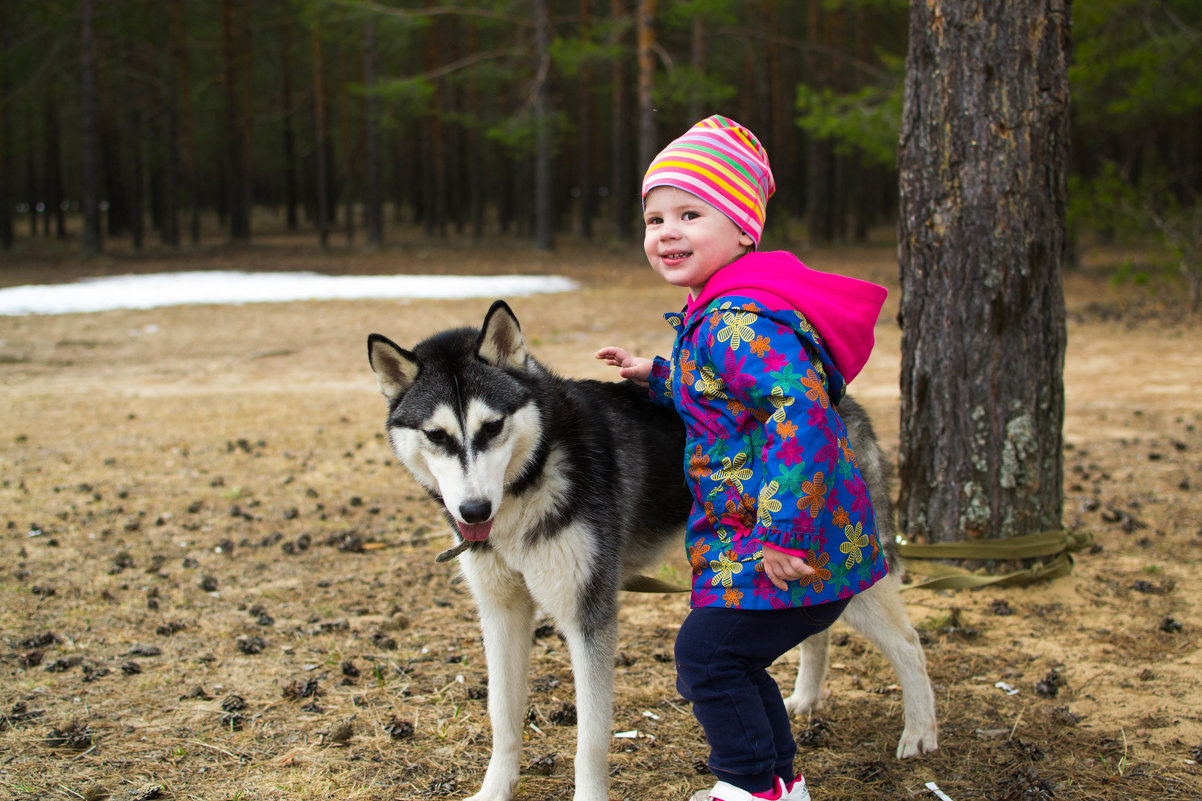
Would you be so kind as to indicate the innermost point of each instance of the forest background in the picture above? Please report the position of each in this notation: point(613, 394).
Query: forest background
point(530, 119)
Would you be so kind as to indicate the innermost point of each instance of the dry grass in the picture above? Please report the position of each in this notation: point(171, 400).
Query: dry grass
point(216, 584)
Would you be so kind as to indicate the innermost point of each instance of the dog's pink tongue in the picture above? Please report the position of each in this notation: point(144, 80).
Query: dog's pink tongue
point(475, 532)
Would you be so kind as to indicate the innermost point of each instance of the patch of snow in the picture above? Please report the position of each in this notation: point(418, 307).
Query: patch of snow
point(175, 289)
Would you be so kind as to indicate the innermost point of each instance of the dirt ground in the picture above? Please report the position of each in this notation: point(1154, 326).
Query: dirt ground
point(215, 582)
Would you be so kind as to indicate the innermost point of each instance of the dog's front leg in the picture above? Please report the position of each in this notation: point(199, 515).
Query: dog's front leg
point(507, 622)
point(593, 650)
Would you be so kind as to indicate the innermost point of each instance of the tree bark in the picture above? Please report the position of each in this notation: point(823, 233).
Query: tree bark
point(983, 159)
point(89, 134)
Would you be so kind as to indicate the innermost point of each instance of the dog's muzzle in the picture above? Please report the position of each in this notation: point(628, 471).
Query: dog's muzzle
point(474, 520)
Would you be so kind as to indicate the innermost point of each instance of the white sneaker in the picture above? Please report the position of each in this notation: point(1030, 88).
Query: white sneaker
point(795, 792)
point(728, 792)
point(724, 792)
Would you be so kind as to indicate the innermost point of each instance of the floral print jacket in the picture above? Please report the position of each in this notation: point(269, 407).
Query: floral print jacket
point(767, 457)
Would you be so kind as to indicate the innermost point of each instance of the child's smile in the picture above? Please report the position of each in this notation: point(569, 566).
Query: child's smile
point(688, 240)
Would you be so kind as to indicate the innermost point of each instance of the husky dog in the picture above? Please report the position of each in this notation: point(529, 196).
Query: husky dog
point(559, 491)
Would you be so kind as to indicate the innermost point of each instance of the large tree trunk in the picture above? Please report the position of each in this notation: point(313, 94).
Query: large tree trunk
point(983, 158)
point(89, 134)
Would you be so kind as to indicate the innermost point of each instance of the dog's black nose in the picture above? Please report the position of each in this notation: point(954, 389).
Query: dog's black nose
point(475, 511)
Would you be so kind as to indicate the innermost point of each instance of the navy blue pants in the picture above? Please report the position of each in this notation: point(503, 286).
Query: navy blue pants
point(722, 659)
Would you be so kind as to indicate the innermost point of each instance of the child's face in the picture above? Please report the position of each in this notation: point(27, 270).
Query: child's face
point(687, 239)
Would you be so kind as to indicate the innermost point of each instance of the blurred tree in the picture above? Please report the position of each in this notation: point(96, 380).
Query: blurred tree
point(195, 116)
point(621, 171)
point(181, 88)
point(321, 152)
point(288, 112)
point(374, 207)
point(347, 137)
point(645, 36)
point(542, 128)
point(1138, 115)
point(53, 167)
point(7, 166)
point(236, 58)
point(89, 130)
point(167, 206)
point(983, 161)
point(1127, 206)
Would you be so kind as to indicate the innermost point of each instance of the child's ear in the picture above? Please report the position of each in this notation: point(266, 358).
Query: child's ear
point(745, 240)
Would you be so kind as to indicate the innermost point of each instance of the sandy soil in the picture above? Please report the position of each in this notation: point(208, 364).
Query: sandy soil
point(217, 584)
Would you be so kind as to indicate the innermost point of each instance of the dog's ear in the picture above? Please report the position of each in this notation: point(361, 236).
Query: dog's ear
point(396, 368)
point(501, 343)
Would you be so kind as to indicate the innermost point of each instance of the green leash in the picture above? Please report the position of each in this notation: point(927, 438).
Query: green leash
point(1055, 544)
point(1058, 545)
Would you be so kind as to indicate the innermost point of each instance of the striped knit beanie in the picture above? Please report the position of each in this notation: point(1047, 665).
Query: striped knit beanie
point(721, 162)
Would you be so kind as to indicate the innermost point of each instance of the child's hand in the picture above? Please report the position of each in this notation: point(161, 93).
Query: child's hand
point(781, 568)
point(636, 368)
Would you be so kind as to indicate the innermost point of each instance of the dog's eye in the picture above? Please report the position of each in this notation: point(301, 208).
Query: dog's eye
point(436, 435)
point(493, 427)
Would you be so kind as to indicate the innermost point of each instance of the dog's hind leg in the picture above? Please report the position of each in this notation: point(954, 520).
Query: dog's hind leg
point(880, 615)
point(811, 673)
point(507, 622)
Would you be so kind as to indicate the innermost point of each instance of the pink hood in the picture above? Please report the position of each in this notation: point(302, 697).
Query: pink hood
point(843, 310)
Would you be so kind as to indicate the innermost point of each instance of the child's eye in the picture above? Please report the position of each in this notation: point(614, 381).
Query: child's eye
point(654, 220)
point(690, 215)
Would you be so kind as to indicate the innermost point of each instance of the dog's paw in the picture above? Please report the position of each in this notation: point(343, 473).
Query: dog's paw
point(913, 743)
point(804, 703)
point(490, 791)
point(482, 797)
